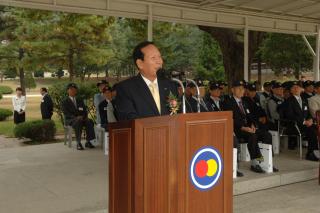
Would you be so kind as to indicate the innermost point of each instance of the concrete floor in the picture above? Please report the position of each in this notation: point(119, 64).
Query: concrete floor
point(296, 198)
point(55, 179)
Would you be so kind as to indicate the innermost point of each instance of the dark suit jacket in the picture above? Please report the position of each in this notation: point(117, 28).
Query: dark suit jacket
point(294, 112)
point(212, 107)
point(46, 107)
point(134, 99)
point(70, 112)
point(192, 105)
point(103, 112)
point(239, 119)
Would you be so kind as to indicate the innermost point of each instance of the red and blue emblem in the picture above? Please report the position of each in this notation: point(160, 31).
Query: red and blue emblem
point(205, 168)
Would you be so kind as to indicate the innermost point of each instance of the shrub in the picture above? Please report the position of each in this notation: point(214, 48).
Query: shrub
point(39, 130)
point(4, 114)
point(6, 90)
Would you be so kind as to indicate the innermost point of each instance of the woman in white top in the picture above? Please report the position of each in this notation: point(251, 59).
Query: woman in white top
point(19, 106)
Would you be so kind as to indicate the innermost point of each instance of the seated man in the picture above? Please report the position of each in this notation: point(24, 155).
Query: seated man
point(76, 115)
point(106, 109)
point(214, 104)
point(192, 102)
point(314, 101)
point(243, 125)
point(308, 90)
point(297, 110)
point(258, 116)
point(275, 105)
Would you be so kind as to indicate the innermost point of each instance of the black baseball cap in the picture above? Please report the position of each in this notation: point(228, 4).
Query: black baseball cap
point(307, 83)
point(215, 85)
point(252, 87)
point(276, 85)
point(316, 84)
point(239, 83)
point(102, 82)
point(267, 84)
point(72, 85)
point(294, 83)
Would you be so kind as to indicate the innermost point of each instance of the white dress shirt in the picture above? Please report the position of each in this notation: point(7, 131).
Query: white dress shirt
point(148, 82)
point(19, 103)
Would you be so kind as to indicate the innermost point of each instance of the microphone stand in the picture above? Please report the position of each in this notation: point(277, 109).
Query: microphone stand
point(198, 93)
point(183, 94)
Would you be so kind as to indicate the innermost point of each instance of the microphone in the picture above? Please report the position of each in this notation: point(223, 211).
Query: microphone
point(162, 73)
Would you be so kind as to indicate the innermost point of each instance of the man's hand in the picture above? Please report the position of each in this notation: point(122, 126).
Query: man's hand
point(263, 120)
point(248, 129)
point(79, 118)
point(308, 122)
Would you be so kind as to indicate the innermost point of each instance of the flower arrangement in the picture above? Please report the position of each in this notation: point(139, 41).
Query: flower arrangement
point(173, 104)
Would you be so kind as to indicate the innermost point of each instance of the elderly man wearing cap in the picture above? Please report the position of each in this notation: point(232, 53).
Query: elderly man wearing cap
point(213, 101)
point(308, 90)
point(192, 101)
point(314, 102)
point(106, 109)
point(76, 115)
point(297, 110)
point(243, 124)
point(275, 105)
point(98, 98)
point(265, 94)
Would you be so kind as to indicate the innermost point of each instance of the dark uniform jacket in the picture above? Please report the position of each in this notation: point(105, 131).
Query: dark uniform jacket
point(46, 107)
point(296, 113)
point(70, 111)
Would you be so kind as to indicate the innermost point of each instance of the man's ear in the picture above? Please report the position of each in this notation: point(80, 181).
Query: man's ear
point(139, 64)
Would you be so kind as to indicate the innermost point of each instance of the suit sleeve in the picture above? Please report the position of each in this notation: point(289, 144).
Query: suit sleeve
point(124, 104)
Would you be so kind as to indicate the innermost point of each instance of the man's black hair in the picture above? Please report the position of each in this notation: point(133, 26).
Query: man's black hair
point(137, 53)
point(19, 89)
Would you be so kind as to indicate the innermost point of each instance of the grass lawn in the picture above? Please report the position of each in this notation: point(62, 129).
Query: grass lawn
point(32, 113)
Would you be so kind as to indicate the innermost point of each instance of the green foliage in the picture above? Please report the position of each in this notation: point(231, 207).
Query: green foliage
point(210, 62)
point(29, 81)
point(39, 130)
point(1, 96)
point(6, 90)
point(5, 113)
point(86, 92)
point(39, 74)
point(284, 52)
point(10, 73)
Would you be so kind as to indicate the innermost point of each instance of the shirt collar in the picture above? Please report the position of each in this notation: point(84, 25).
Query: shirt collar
point(215, 99)
point(148, 82)
point(237, 99)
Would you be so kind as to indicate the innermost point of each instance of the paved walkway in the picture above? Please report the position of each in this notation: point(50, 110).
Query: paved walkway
point(52, 179)
point(296, 198)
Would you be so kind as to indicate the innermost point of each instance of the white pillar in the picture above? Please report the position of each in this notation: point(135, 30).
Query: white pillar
point(246, 54)
point(316, 59)
point(150, 24)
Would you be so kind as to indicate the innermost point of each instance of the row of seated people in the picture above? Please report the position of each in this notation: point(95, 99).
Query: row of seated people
point(76, 113)
point(254, 116)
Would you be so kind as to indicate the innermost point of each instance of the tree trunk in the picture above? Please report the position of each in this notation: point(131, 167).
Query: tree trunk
point(21, 72)
point(70, 64)
point(232, 51)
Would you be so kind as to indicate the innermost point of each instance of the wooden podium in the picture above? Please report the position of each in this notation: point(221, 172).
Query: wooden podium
point(151, 159)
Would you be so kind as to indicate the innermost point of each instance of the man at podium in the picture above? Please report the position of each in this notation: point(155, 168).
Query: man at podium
point(146, 94)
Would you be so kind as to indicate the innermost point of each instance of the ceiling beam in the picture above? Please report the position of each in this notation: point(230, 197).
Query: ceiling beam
point(274, 6)
point(212, 2)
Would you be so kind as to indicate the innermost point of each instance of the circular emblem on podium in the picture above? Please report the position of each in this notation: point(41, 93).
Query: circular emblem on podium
point(205, 168)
